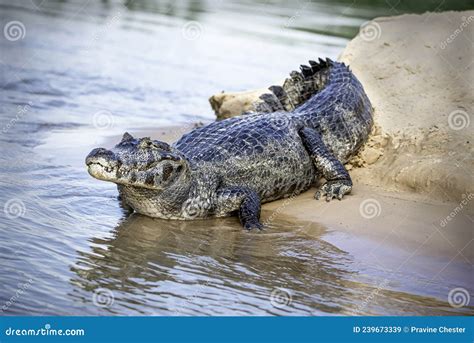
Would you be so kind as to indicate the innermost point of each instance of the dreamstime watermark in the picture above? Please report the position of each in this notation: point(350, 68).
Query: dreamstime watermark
point(272, 216)
point(14, 30)
point(104, 29)
point(459, 297)
point(279, 121)
point(280, 298)
point(289, 22)
point(371, 296)
point(22, 288)
point(103, 119)
point(180, 130)
point(370, 31)
point(14, 208)
point(37, 3)
point(193, 208)
point(458, 120)
point(457, 32)
point(21, 111)
point(47, 330)
point(177, 306)
point(457, 209)
point(103, 297)
point(192, 30)
point(370, 208)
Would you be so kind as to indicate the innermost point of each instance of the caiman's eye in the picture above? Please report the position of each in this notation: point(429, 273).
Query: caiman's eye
point(147, 143)
point(153, 165)
point(167, 170)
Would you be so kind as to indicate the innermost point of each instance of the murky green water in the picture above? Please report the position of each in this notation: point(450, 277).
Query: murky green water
point(82, 71)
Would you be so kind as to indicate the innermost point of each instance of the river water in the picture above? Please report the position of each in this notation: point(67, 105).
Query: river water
point(74, 74)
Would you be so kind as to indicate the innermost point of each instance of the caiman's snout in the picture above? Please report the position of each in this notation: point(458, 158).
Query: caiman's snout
point(99, 154)
point(102, 163)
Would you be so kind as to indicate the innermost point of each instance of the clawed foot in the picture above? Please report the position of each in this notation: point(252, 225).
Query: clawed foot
point(334, 189)
point(253, 225)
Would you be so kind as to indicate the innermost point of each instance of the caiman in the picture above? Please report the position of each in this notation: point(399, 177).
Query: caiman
point(299, 132)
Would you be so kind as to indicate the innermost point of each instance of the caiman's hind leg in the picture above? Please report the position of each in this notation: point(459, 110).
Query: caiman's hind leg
point(243, 200)
point(338, 180)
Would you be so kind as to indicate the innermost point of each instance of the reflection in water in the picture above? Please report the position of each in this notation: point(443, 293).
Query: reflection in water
point(213, 267)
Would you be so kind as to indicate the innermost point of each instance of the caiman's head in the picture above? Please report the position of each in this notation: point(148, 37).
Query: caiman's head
point(139, 162)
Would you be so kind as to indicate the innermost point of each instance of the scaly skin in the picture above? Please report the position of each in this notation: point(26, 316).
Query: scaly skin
point(300, 132)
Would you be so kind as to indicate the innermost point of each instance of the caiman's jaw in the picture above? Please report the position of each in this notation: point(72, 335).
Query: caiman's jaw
point(102, 164)
point(142, 163)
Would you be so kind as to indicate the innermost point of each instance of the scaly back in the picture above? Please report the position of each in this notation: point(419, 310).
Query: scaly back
point(327, 97)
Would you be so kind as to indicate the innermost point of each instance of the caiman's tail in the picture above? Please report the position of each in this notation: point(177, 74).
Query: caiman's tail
point(296, 89)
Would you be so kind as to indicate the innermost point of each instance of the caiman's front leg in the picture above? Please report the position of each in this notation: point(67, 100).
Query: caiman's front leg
point(338, 180)
point(241, 199)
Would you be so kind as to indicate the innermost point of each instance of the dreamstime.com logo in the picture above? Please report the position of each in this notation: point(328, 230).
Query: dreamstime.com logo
point(279, 122)
point(465, 22)
point(14, 30)
point(459, 297)
point(372, 296)
point(458, 120)
point(103, 297)
point(274, 213)
point(103, 119)
point(192, 209)
point(45, 331)
point(14, 208)
point(370, 208)
point(22, 110)
point(98, 35)
point(22, 288)
point(192, 30)
point(370, 31)
point(280, 298)
point(457, 209)
point(299, 13)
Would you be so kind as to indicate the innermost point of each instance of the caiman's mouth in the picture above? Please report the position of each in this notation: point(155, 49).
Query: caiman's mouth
point(101, 170)
point(102, 164)
point(96, 165)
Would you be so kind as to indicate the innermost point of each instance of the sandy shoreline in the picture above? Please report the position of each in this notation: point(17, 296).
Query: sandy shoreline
point(412, 205)
point(388, 218)
point(387, 233)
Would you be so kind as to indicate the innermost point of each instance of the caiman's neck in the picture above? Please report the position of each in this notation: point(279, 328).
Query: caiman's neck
point(166, 203)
